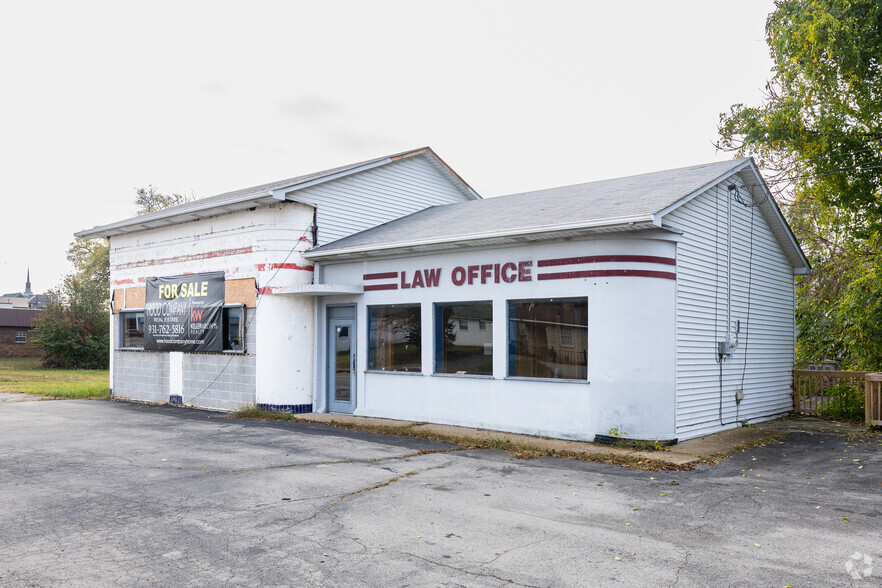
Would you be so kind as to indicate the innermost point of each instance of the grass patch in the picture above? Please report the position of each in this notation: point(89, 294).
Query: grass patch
point(518, 450)
point(27, 376)
point(252, 411)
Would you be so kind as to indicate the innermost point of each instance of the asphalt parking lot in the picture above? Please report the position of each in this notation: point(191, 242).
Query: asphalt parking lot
point(104, 493)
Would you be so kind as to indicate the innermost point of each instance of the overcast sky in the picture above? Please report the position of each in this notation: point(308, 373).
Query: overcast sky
point(101, 98)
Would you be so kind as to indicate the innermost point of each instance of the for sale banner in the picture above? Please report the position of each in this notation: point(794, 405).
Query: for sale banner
point(185, 313)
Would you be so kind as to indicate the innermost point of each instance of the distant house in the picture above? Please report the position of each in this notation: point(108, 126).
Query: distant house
point(13, 302)
point(16, 326)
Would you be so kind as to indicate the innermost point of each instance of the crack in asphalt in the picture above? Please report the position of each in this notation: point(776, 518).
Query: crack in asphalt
point(309, 463)
point(470, 573)
point(680, 569)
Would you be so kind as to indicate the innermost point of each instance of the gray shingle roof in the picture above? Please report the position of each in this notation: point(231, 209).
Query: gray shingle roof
point(247, 197)
point(607, 202)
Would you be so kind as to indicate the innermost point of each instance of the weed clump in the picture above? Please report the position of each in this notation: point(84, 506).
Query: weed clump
point(846, 404)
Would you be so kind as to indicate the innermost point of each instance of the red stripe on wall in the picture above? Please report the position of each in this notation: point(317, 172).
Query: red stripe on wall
point(207, 255)
point(605, 258)
point(381, 276)
point(267, 267)
point(602, 273)
point(381, 287)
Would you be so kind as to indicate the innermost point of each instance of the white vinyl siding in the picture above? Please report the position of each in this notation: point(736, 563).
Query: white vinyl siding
point(766, 341)
point(364, 200)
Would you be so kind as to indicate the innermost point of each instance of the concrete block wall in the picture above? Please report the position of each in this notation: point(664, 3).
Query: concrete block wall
point(219, 381)
point(140, 375)
point(222, 381)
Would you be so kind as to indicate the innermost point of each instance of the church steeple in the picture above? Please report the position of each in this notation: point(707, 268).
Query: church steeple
point(27, 290)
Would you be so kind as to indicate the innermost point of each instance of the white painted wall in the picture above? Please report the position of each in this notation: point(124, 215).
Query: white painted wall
point(763, 363)
point(244, 244)
point(285, 340)
point(176, 373)
point(631, 347)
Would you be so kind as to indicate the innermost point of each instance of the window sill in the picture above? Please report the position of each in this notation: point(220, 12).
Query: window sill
point(392, 372)
point(563, 380)
point(477, 376)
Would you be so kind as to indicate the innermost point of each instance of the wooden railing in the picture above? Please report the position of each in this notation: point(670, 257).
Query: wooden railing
point(812, 389)
point(873, 402)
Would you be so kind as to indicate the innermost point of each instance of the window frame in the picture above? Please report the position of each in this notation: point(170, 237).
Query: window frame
point(510, 339)
point(371, 339)
point(439, 338)
point(22, 339)
point(122, 327)
point(242, 327)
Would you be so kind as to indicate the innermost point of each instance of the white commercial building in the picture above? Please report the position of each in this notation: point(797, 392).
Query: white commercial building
point(658, 306)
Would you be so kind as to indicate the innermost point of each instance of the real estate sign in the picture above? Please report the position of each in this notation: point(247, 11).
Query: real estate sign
point(184, 313)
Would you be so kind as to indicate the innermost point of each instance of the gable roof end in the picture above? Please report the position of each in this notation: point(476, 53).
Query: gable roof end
point(264, 195)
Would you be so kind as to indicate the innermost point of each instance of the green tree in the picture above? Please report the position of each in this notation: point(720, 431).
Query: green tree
point(91, 260)
point(818, 133)
point(149, 200)
point(73, 330)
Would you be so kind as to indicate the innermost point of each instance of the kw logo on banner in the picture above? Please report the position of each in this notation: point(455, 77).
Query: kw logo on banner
point(196, 314)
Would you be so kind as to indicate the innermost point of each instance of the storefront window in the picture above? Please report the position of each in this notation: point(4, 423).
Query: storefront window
point(464, 338)
point(234, 328)
point(548, 338)
point(394, 338)
point(132, 325)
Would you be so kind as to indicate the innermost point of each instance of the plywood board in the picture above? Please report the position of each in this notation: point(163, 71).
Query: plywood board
point(136, 297)
point(241, 292)
point(119, 299)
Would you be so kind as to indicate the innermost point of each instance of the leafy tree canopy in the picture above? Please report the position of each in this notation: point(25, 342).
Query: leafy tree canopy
point(149, 199)
point(818, 133)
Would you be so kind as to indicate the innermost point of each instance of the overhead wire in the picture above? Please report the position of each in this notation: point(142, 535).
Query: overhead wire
point(260, 296)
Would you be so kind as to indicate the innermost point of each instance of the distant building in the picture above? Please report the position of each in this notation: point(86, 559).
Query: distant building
point(31, 300)
point(13, 302)
point(16, 326)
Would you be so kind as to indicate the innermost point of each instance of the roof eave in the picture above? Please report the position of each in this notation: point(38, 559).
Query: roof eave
point(550, 232)
point(196, 212)
point(170, 217)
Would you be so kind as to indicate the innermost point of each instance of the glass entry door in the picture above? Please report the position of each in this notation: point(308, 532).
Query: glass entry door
point(341, 365)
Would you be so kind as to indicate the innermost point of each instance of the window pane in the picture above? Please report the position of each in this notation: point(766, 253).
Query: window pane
point(234, 328)
point(132, 329)
point(548, 338)
point(460, 348)
point(21, 336)
point(394, 336)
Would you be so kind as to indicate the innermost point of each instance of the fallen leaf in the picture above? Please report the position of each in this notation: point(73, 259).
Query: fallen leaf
point(662, 494)
point(846, 521)
point(674, 483)
point(756, 544)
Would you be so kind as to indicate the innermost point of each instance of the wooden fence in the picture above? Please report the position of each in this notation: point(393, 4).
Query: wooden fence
point(812, 389)
point(873, 403)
